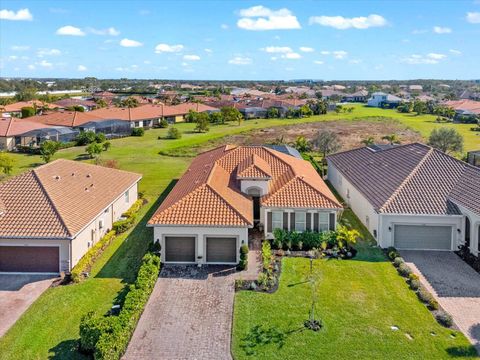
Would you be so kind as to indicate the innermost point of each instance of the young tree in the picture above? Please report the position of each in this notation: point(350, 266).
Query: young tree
point(94, 150)
point(85, 137)
point(191, 117)
point(327, 142)
point(202, 122)
point(28, 111)
point(129, 102)
point(163, 123)
point(231, 114)
point(106, 145)
point(48, 148)
point(392, 139)
point(216, 117)
point(26, 94)
point(305, 111)
point(273, 113)
point(302, 144)
point(368, 141)
point(101, 103)
point(174, 133)
point(447, 140)
point(6, 162)
point(420, 107)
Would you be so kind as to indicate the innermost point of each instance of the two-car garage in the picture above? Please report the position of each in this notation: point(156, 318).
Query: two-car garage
point(41, 259)
point(422, 237)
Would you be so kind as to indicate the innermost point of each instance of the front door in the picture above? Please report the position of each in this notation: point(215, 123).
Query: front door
point(256, 208)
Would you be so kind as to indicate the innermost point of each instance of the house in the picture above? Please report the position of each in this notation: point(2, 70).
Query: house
point(415, 88)
point(465, 110)
point(358, 96)
point(410, 196)
point(87, 105)
point(15, 109)
point(51, 215)
point(381, 100)
point(231, 189)
point(470, 95)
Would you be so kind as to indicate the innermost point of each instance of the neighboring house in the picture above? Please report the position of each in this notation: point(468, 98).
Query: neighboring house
point(15, 109)
point(415, 88)
point(470, 95)
point(87, 105)
point(50, 216)
point(465, 110)
point(380, 99)
point(229, 190)
point(410, 196)
point(359, 96)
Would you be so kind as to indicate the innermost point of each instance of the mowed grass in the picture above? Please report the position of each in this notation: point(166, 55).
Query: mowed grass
point(49, 328)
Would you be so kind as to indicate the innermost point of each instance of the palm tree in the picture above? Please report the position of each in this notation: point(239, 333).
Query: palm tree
point(392, 139)
point(368, 141)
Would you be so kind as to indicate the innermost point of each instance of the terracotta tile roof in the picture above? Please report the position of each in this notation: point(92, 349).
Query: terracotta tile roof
point(209, 192)
point(468, 105)
point(15, 126)
point(411, 179)
point(16, 107)
point(58, 199)
point(65, 118)
point(75, 102)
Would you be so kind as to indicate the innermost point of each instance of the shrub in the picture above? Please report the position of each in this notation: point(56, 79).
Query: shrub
point(121, 226)
point(262, 279)
point(85, 137)
point(266, 255)
point(163, 123)
point(424, 295)
point(27, 111)
point(413, 276)
point(404, 270)
point(398, 261)
point(106, 145)
point(444, 319)
point(91, 327)
point(138, 132)
point(414, 285)
point(174, 133)
point(243, 263)
point(392, 253)
point(90, 256)
point(433, 304)
point(100, 138)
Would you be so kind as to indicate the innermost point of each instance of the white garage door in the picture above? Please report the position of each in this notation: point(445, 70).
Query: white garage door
point(423, 237)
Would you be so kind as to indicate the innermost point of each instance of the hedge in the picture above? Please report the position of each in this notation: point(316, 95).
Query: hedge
point(107, 337)
point(130, 216)
point(307, 240)
point(90, 256)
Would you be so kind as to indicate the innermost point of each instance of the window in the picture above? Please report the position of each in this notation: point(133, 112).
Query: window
point(127, 196)
point(106, 210)
point(277, 220)
point(323, 221)
point(100, 224)
point(300, 221)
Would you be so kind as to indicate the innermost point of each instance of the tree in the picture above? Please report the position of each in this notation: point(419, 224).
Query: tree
point(404, 108)
point(94, 149)
point(327, 142)
point(129, 102)
point(48, 148)
point(101, 103)
point(174, 133)
point(302, 144)
point(6, 162)
point(273, 113)
point(368, 141)
point(338, 108)
point(100, 138)
point(448, 140)
point(191, 117)
point(230, 113)
point(216, 117)
point(163, 123)
point(26, 94)
point(202, 121)
point(106, 145)
point(305, 111)
point(85, 137)
point(420, 107)
point(392, 139)
point(28, 111)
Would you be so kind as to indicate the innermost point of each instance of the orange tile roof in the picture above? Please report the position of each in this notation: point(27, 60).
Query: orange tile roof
point(15, 126)
point(16, 107)
point(65, 118)
point(209, 192)
point(469, 105)
point(59, 199)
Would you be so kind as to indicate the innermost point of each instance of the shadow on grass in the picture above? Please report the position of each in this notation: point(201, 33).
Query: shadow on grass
point(260, 336)
point(125, 262)
point(82, 157)
point(67, 350)
point(298, 283)
point(463, 352)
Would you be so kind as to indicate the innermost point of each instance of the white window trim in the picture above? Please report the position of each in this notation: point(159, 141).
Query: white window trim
point(323, 225)
point(277, 221)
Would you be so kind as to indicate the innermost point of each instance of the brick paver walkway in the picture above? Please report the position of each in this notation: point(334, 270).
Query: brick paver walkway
point(189, 314)
point(455, 285)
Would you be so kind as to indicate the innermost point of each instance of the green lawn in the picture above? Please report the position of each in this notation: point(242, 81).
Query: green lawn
point(50, 327)
point(358, 302)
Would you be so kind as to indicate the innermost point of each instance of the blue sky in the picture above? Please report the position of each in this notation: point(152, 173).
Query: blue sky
point(262, 40)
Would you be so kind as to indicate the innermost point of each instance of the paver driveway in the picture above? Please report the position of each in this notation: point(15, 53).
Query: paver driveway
point(17, 293)
point(455, 285)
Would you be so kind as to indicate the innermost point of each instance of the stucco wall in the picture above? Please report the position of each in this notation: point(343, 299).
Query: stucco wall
point(200, 232)
point(474, 229)
point(245, 185)
point(7, 143)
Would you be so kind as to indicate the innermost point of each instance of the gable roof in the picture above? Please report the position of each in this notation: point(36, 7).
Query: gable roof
point(411, 179)
point(15, 126)
point(209, 192)
point(65, 118)
point(59, 199)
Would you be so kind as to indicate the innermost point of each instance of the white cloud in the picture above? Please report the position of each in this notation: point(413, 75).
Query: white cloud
point(20, 15)
point(455, 52)
point(208, 50)
point(224, 26)
point(240, 60)
point(70, 31)
point(306, 49)
point(260, 18)
point(45, 63)
point(160, 48)
point(81, 68)
point(191, 57)
point(130, 43)
point(318, 62)
point(109, 31)
point(20, 47)
point(473, 17)
point(277, 49)
point(274, 58)
point(48, 52)
point(342, 23)
point(325, 52)
point(292, 55)
point(431, 58)
point(441, 30)
point(185, 64)
point(31, 67)
point(340, 54)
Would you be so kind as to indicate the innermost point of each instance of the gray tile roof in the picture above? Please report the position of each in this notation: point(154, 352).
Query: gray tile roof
point(411, 179)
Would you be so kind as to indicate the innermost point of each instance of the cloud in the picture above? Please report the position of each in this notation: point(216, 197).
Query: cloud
point(20, 48)
point(292, 55)
point(431, 58)
point(325, 52)
point(208, 50)
point(70, 31)
point(343, 23)
point(161, 48)
point(306, 49)
point(441, 30)
point(473, 17)
point(277, 49)
point(130, 43)
point(261, 18)
point(81, 68)
point(109, 31)
point(45, 63)
point(340, 54)
point(191, 57)
point(31, 67)
point(240, 60)
point(48, 52)
point(455, 52)
point(318, 62)
point(20, 15)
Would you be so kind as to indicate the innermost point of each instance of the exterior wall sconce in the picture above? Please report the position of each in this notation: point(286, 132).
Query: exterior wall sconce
point(459, 231)
point(390, 228)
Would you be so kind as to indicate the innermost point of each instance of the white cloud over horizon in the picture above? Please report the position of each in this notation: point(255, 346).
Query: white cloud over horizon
point(20, 15)
point(81, 68)
point(428, 59)
point(108, 31)
point(343, 23)
point(306, 49)
point(261, 18)
point(240, 60)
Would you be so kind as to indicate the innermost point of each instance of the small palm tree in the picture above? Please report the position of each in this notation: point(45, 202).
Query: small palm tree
point(368, 141)
point(392, 139)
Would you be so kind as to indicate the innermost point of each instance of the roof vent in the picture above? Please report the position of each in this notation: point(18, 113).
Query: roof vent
point(89, 176)
point(57, 177)
point(73, 174)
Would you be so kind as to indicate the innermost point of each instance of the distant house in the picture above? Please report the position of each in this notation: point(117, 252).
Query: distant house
point(50, 216)
point(415, 88)
point(15, 109)
point(470, 95)
point(358, 96)
point(206, 217)
point(87, 105)
point(410, 196)
point(329, 94)
point(381, 100)
point(465, 110)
